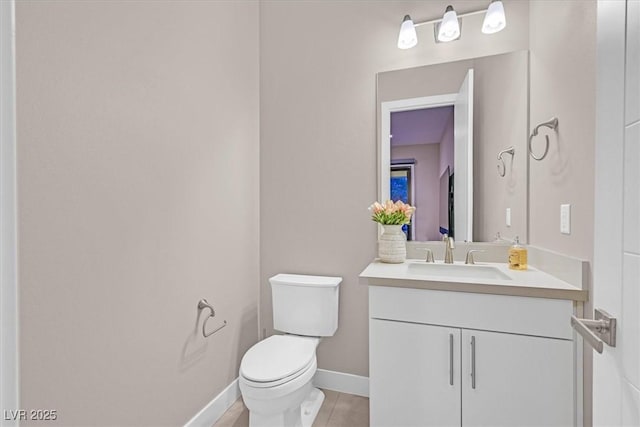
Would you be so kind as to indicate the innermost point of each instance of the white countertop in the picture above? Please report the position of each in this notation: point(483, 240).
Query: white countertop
point(528, 283)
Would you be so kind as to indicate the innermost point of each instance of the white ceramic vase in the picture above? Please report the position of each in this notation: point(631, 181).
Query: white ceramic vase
point(392, 246)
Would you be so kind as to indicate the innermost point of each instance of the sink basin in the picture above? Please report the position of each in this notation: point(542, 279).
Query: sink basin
point(466, 271)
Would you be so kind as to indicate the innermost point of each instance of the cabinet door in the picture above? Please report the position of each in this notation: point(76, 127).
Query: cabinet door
point(414, 374)
point(519, 380)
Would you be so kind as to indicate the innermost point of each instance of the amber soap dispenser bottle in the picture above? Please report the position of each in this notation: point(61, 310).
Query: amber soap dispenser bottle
point(517, 256)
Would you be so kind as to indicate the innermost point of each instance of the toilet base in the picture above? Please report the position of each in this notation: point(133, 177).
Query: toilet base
point(311, 406)
point(301, 416)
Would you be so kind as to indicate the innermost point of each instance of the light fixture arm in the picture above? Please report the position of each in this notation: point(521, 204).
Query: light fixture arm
point(460, 15)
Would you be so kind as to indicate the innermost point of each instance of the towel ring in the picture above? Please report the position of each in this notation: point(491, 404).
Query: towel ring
point(202, 304)
point(511, 150)
point(551, 124)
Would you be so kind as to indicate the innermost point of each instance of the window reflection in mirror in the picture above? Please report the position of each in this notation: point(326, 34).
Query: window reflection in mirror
point(402, 188)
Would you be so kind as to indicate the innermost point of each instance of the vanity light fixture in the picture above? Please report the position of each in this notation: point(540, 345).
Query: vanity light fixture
point(407, 37)
point(494, 20)
point(448, 27)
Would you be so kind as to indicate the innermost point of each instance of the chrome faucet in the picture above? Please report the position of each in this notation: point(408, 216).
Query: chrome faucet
point(448, 249)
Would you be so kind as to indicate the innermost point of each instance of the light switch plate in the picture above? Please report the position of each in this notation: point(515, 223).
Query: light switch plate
point(508, 219)
point(565, 219)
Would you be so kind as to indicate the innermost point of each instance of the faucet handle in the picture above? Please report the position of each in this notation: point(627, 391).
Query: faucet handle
point(470, 252)
point(429, 257)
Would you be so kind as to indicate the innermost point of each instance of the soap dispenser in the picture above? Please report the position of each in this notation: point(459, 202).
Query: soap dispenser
point(517, 256)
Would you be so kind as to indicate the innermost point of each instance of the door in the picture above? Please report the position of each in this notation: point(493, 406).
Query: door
point(616, 269)
point(421, 361)
point(463, 160)
point(516, 380)
point(9, 337)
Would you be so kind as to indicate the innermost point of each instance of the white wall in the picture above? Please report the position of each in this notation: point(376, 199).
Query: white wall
point(318, 172)
point(563, 85)
point(138, 149)
point(501, 113)
point(134, 118)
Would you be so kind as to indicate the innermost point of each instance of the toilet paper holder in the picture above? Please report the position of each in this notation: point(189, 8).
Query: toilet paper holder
point(203, 304)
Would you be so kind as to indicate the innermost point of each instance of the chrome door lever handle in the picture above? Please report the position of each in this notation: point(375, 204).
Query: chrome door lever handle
point(597, 332)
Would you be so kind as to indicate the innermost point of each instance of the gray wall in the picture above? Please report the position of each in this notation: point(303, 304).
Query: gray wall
point(563, 84)
point(318, 173)
point(500, 121)
point(563, 76)
point(331, 148)
point(138, 155)
point(138, 196)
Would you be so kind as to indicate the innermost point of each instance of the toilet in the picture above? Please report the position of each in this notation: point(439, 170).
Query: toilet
point(276, 373)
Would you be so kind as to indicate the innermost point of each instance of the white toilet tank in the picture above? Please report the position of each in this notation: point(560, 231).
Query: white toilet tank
point(305, 305)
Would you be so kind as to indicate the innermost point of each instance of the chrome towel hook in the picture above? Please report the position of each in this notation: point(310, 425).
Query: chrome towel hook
point(551, 124)
point(511, 150)
point(202, 304)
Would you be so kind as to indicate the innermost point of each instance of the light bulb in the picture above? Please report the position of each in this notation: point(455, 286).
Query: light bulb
point(449, 27)
point(495, 19)
point(407, 37)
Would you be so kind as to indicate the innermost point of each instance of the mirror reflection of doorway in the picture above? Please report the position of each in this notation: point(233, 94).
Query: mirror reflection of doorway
point(422, 155)
point(459, 107)
point(402, 188)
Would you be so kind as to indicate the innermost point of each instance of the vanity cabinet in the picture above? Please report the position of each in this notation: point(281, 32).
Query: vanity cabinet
point(519, 380)
point(442, 358)
point(410, 367)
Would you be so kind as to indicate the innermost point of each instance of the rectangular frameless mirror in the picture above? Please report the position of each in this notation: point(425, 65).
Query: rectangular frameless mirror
point(440, 130)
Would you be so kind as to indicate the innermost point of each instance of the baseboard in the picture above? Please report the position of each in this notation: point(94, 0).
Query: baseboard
point(344, 383)
point(217, 407)
point(330, 380)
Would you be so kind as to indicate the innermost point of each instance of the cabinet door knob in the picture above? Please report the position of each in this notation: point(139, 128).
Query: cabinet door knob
point(473, 362)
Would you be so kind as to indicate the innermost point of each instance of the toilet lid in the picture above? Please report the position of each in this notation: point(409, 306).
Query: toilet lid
point(277, 357)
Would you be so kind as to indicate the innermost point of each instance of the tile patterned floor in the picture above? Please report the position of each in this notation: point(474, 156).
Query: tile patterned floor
point(337, 410)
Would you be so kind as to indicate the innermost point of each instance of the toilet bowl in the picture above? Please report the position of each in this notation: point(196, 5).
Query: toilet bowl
point(276, 381)
point(276, 374)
